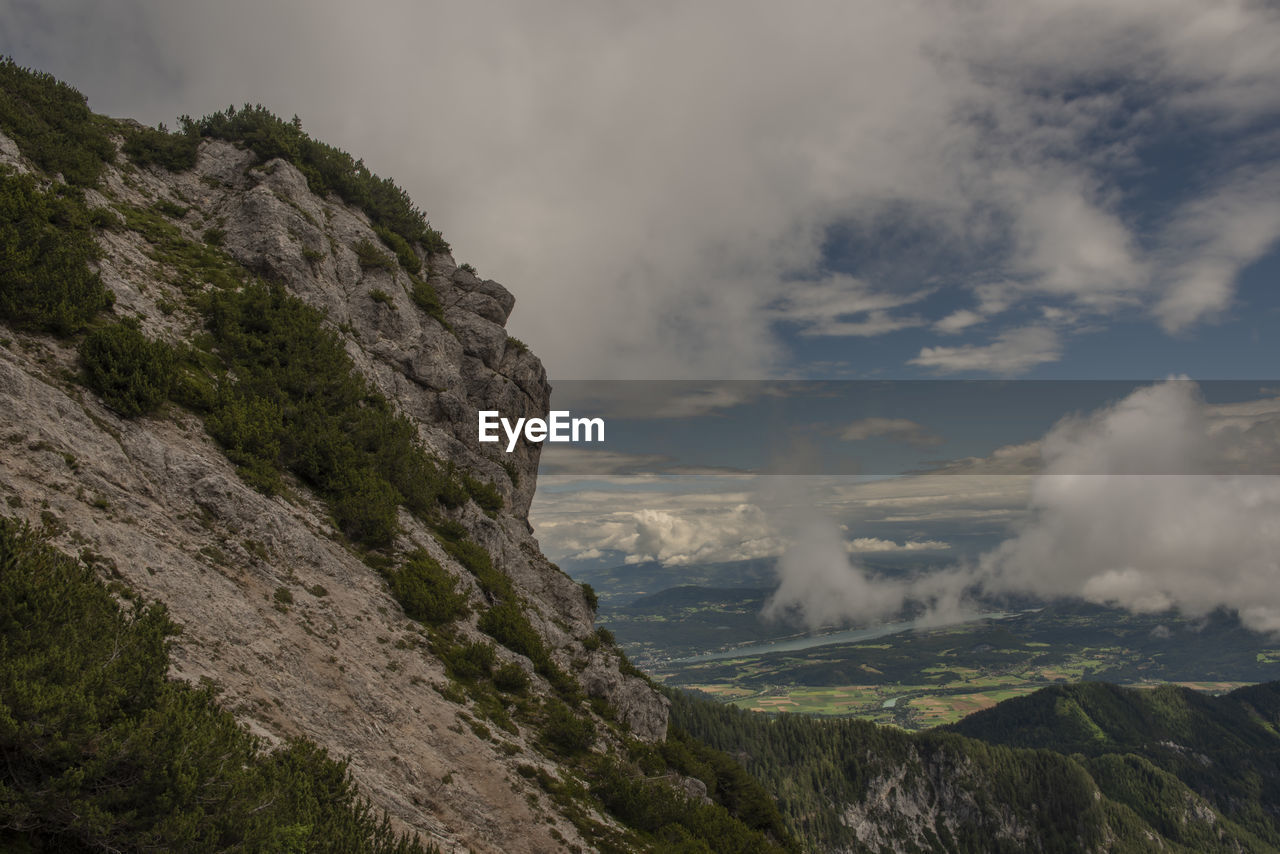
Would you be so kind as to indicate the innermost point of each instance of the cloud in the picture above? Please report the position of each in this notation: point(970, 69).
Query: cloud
point(1159, 500)
point(735, 517)
point(875, 544)
point(1011, 353)
point(666, 520)
point(1210, 240)
point(1125, 511)
point(664, 186)
point(818, 585)
point(561, 460)
point(900, 429)
point(958, 321)
point(1226, 438)
point(1148, 542)
point(819, 307)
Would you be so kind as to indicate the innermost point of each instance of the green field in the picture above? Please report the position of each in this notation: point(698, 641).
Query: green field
point(925, 678)
point(915, 706)
point(910, 705)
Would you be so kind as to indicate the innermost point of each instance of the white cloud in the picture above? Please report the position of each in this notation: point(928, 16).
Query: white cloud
point(1210, 240)
point(900, 429)
point(669, 520)
point(958, 321)
point(1011, 353)
point(661, 183)
point(841, 305)
point(876, 544)
point(1105, 527)
point(818, 585)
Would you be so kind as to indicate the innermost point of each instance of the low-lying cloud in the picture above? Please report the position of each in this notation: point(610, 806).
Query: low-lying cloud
point(1148, 542)
point(1127, 511)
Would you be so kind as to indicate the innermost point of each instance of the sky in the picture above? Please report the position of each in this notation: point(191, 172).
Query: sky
point(923, 189)
point(828, 189)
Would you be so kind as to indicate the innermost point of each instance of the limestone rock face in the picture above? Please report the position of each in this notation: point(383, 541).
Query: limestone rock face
point(643, 711)
point(154, 502)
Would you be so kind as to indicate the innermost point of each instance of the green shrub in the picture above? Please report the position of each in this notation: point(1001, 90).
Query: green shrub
point(565, 732)
point(214, 236)
point(250, 430)
point(589, 595)
point(506, 623)
point(151, 146)
point(326, 168)
point(52, 125)
point(172, 210)
point(105, 219)
point(450, 531)
point(678, 822)
point(426, 591)
point(380, 296)
point(426, 298)
point(454, 494)
point(364, 508)
point(511, 678)
point(194, 263)
point(131, 372)
point(104, 753)
point(486, 495)
point(397, 244)
point(469, 661)
point(298, 404)
point(563, 684)
point(477, 561)
point(46, 241)
point(371, 257)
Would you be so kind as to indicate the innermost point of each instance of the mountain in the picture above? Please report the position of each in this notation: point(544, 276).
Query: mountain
point(1225, 749)
point(1087, 767)
point(261, 588)
point(239, 376)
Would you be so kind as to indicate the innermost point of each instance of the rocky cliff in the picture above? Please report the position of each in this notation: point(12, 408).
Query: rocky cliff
point(292, 620)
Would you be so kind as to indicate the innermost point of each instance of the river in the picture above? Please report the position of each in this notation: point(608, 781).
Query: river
point(845, 636)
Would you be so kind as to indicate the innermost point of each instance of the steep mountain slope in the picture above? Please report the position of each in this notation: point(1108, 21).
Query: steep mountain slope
point(1089, 767)
point(239, 376)
point(1225, 749)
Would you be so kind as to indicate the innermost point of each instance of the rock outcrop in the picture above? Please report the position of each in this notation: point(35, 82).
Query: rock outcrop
point(300, 633)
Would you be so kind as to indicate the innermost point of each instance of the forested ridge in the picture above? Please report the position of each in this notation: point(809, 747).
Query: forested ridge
point(1069, 768)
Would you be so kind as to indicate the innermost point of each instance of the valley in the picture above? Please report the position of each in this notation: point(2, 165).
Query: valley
point(915, 676)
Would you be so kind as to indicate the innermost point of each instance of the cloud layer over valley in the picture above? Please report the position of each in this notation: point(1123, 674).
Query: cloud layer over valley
point(1095, 522)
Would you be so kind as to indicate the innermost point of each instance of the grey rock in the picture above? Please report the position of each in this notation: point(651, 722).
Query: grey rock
point(159, 500)
point(642, 709)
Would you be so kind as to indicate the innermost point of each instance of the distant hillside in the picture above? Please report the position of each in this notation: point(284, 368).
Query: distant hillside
point(1088, 767)
point(1226, 749)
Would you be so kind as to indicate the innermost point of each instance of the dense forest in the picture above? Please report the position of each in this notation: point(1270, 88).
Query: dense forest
point(1071, 768)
